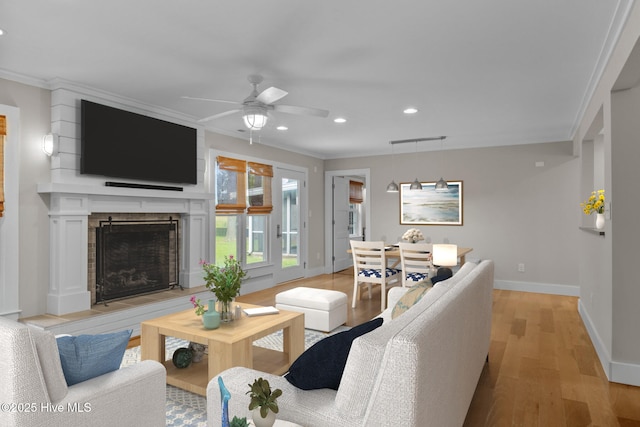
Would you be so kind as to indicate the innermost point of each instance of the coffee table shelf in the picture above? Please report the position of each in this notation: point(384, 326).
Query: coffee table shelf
point(230, 345)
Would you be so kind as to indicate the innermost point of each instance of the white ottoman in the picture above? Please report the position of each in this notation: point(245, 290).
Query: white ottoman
point(324, 309)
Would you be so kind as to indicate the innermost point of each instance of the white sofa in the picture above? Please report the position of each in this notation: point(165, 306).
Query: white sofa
point(419, 369)
point(33, 390)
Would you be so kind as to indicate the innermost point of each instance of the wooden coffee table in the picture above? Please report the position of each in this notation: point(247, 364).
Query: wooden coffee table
point(229, 345)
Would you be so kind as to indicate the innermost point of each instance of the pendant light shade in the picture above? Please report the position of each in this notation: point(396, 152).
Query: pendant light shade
point(416, 185)
point(442, 185)
point(392, 187)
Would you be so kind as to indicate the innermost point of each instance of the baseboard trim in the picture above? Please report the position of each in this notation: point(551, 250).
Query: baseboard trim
point(541, 288)
point(617, 372)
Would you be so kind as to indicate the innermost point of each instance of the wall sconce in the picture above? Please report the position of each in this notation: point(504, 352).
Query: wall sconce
point(445, 255)
point(50, 144)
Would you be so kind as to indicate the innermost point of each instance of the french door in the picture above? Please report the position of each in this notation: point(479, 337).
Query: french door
point(288, 232)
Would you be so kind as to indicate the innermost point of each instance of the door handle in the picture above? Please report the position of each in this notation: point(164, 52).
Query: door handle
point(278, 233)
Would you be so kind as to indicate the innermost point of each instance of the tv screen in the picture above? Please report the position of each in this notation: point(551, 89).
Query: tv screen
point(121, 144)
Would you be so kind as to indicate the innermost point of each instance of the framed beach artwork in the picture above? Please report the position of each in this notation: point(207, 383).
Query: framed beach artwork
point(429, 207)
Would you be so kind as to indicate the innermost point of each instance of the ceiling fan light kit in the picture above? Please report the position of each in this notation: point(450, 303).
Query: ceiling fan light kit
point(255, 118)
point(254, 108)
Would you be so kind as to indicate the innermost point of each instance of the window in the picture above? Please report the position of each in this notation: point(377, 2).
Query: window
point(230, 185)
point(356, 197)
point(259, 188)
point(256, 236)
point(226, 237)
point(243, 205)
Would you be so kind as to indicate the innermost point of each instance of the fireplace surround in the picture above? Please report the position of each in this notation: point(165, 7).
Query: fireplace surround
point(70, 209)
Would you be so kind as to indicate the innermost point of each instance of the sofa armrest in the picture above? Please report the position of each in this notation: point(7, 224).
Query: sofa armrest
point(304, 407)
point(135, 395)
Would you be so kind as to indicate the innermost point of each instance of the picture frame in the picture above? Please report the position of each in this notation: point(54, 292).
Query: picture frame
point(429, 207)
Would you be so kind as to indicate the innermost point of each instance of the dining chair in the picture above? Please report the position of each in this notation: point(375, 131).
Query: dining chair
point(415, 262)
point(370, 267)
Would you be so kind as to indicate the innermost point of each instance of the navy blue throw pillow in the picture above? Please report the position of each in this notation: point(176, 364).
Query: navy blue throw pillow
point(322, 365)
point(443, 274)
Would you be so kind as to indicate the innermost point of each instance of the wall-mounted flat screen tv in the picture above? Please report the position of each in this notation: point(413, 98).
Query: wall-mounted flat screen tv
point(121, 144)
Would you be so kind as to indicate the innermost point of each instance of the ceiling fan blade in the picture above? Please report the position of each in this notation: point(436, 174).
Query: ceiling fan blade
point(211, 100)
point(271, 95)
point(305, 111)
point(219, 115)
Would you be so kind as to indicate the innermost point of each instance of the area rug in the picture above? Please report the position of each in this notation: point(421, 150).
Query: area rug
point(189, 409)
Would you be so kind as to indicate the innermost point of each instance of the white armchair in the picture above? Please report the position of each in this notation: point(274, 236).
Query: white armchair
point(33, 390)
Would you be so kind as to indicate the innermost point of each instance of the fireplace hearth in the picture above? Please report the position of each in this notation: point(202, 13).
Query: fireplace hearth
point(135, 257)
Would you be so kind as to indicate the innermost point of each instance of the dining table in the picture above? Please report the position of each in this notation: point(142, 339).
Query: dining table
point(392, 253)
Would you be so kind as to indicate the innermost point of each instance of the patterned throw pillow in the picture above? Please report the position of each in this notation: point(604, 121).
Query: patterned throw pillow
point(411, 297)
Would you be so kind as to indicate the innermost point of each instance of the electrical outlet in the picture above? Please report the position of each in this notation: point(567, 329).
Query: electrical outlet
point(521, 267)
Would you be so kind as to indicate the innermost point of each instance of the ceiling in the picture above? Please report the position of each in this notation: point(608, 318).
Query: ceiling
point(489, 73)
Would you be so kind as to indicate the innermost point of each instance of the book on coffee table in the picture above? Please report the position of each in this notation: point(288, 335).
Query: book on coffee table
point(260, 311)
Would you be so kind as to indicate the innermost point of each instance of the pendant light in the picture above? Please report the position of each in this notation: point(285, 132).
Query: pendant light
point(416, 185)
point(392, 187)
point(441, 185)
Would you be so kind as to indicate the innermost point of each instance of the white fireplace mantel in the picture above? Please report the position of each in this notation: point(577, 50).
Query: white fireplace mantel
point(69, 208)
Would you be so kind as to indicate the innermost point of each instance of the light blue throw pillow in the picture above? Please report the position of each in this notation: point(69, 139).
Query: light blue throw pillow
point(88, 356)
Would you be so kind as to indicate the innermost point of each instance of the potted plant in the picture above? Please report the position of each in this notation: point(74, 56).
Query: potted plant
point(239, 422)
point(263, 403)
point(224, 282)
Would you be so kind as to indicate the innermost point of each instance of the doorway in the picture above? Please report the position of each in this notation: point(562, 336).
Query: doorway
point(289, 236)
point(340, 223)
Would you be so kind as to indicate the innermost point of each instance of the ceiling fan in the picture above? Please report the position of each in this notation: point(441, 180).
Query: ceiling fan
point(254, 108)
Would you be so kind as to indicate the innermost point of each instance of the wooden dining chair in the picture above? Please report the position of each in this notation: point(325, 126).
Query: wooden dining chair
point(415, 262)
point(370, 268)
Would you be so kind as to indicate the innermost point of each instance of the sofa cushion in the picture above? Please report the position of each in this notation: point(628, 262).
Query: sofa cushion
point(412, 296)
point(88, 356)
point(322, 364)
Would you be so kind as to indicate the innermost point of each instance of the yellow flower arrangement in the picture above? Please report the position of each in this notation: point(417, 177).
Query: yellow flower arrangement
point(595, 203)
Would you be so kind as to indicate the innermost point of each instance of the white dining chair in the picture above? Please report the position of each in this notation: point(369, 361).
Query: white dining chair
point(369, 268)
point(415, 262)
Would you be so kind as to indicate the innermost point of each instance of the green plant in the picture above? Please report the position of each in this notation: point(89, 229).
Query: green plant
point(200, 310)
point(262, 397)
point(224, 281)
point(239, 422)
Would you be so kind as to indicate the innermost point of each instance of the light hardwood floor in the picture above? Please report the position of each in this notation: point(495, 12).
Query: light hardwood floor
point(542, 369)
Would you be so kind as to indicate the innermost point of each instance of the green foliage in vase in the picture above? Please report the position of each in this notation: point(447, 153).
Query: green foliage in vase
point(262, 397)
point(239, 422)
point(224, 281)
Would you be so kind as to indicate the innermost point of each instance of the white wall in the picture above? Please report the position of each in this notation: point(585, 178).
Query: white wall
point(35, 121)
point(514, 212)
point(609, 287)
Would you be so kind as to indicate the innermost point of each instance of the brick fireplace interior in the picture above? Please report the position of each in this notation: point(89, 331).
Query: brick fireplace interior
point(132, 254)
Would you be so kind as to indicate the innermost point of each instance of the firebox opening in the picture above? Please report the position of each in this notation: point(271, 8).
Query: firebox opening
point(135, 257)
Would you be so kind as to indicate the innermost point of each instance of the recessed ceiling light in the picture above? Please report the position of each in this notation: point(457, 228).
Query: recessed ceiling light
point(339, 120)
point(410, 110)
point(282, 128)
point(1, 31)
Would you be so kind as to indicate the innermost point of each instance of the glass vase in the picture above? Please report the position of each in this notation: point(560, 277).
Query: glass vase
point(226, 311)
